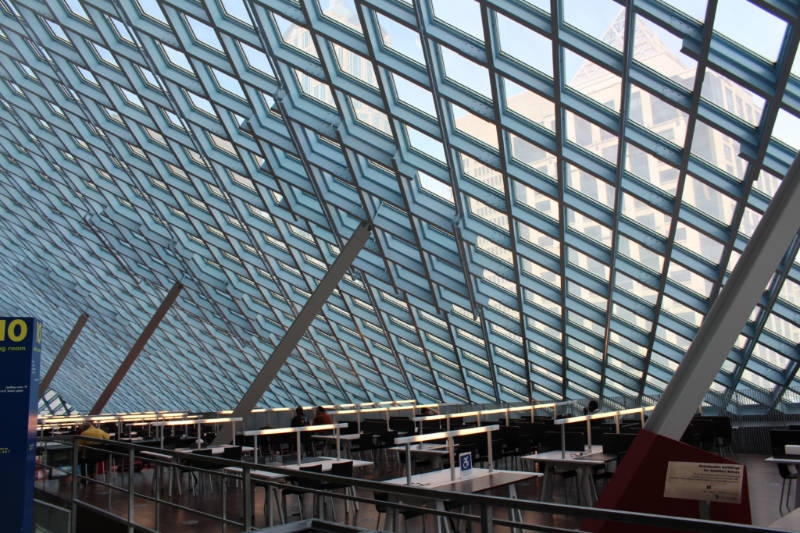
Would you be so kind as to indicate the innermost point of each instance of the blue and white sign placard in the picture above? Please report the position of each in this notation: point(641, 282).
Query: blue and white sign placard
point(465, 460)
point(20, 350)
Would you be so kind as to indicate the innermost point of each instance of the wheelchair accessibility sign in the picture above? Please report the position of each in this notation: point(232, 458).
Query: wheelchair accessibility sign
point(465, 459)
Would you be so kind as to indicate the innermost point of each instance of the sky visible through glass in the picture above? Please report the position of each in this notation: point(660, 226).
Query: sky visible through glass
point(524, 247)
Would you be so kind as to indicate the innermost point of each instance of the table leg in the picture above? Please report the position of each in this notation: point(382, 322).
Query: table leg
point(440, 519)
point(587, 494)
point(515, 514)
point(278, 493)
point(592, 486)
point(547, 483)
point(170, 476)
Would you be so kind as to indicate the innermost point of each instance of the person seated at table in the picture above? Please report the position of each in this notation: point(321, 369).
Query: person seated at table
point(322, 417)
point(426, 411)
point(90, 430)
point(591, 408)
point(299, 418)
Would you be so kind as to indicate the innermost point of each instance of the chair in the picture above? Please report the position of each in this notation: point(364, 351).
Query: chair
point(89, 459)
point(574, 440)
point(232, 452)
point(381, 507)
point(195, 463)
point(365, 443)
point(614, 444)
point(510, 443)
point(344, 469)
point(301, 487)
point(386, 441)
point(779, 438)
point(723, 433)
point(788, 473)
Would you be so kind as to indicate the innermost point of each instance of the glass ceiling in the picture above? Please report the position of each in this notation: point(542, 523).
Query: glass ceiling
point(558, 189)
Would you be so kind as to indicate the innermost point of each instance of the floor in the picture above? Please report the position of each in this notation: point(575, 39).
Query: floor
point(763, 479)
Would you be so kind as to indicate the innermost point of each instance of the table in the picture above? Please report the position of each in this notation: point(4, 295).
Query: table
point(164, 457)
point(479, 480)
point(435, 451)
point(582, 462)
point(326, 463)
point(346, 439)
point(273, 492)
point(215, 450)
point(789, 461)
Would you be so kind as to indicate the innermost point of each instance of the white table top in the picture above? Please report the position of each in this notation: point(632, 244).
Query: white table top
point(52, 444)
point(265, 474)
point(784, 460)
point(215, 450)
point(423, 447)
point(157, 455)
point(326, 463)
point(595, 456)
point(480, 479)
point(344, 436)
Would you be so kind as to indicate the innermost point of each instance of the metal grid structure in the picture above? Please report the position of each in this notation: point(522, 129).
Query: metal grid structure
point(555, 206)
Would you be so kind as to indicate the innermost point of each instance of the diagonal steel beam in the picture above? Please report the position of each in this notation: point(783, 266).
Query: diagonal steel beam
point(62, 353)
point(730, 310)
point(138, 346)
point(298, 328)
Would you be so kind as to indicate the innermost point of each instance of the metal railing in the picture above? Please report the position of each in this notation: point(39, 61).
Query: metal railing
point(402, 496)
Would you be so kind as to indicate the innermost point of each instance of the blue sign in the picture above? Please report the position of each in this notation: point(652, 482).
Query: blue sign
point(466, 462)
point(20, 351)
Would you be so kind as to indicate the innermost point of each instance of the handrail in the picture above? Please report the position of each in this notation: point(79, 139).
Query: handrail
point(481, 500)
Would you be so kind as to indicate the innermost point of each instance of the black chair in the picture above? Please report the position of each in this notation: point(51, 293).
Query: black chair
point(385, 440)
point(232, 452)
point(699, 433)
point(195, 463)
point(381, 507)
point(300, 488)
point(88, 460)
point(509, 437)
point(344, 469)
point(365, 443)
point(574, 440)
point(789, 474)
point(617, 443)
point(779, 438)
point(402, 425)
point(723, 433)
point(614, 444)
point(431, 426)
